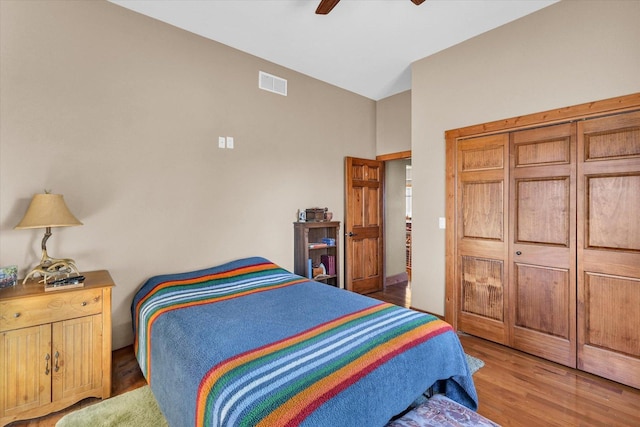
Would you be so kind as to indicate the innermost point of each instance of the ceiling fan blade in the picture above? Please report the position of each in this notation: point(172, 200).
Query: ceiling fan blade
point(325, 6)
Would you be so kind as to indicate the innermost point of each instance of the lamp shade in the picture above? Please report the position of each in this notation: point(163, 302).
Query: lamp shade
point(47, 210)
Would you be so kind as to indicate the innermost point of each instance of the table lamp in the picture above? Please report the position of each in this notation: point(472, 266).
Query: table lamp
point(46, 211)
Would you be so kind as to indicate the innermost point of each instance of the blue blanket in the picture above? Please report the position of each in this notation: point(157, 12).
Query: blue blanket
point(248, 343)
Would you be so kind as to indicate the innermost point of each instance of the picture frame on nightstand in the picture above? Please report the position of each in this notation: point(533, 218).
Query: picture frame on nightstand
point(8, 276)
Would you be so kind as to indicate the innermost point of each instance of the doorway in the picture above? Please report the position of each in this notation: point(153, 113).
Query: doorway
point(397, 220)
point(377, 245)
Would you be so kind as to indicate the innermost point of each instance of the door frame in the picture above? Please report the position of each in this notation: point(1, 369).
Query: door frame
point(394, 156)
point(576, 112)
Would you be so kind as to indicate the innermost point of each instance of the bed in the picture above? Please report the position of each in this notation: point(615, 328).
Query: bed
point(249, 343)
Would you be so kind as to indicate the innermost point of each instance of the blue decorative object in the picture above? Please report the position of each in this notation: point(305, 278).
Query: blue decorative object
point(329, 241)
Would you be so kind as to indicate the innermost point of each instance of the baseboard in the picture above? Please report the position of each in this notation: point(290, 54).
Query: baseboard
point(395, 279)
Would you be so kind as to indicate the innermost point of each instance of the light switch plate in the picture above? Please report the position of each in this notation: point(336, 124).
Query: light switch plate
point(441, 223)
point(229, 142)
point(221, 142)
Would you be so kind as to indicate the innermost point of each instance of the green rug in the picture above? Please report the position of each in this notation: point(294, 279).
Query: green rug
point(138, 408)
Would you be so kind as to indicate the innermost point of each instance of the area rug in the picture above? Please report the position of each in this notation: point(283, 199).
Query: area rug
point(474, 363)
point(138, 408)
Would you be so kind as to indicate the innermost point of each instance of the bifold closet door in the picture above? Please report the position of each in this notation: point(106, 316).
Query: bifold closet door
point(609, 247)
point(481, 236)
point(542, 254)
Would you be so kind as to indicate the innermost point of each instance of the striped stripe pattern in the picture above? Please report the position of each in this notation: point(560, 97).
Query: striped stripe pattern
point(205, 289)
point(282, 383)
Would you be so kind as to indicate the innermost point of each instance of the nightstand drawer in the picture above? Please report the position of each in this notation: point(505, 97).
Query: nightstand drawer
point(42, 309)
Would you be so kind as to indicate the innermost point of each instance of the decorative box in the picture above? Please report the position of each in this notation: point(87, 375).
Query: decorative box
point(315, 214)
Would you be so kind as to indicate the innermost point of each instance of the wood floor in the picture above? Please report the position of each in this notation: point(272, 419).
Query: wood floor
point(514, 389)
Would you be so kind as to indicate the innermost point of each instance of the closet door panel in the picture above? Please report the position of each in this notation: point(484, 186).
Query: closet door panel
point(609, 344)
point(542, 208)
point(612, 201)
point(613, 312)
point(482, 211)
point(543, 287)
point(482, 170)
point(609, 247)
point(482, 287)
point(611, 138)
point(542, 243)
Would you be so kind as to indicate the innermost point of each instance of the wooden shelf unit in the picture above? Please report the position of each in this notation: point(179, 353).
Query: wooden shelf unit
point(307, 233)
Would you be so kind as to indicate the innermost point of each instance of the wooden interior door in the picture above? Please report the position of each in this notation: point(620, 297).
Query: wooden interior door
point(481, 240)
point(542, 242)
point(609, 247)
point(364, 255)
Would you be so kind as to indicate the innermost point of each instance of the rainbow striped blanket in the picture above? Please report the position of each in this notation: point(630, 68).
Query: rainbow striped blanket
point(248, 343)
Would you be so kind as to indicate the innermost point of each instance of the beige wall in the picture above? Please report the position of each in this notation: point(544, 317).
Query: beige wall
point(569, 53)
point(393, 123)
point(121, 114)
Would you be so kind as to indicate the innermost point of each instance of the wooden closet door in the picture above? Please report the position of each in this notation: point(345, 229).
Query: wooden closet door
point(543, 243)
point(481, 238)
point(609, 247)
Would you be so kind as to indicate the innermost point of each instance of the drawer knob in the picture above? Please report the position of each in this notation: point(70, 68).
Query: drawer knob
point(16, 315)
point(84, 303)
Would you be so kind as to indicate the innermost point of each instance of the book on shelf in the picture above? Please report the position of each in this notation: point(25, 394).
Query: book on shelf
point(329, 262)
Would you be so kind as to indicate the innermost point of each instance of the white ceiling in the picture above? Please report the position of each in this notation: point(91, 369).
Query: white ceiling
point(364, 46)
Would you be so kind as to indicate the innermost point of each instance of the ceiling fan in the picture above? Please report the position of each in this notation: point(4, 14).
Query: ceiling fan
point(325, 6)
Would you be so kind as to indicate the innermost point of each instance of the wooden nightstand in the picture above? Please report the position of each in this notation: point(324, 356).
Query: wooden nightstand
point(55, 347)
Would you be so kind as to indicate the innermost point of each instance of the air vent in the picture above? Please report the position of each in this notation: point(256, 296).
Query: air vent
point(272, 83)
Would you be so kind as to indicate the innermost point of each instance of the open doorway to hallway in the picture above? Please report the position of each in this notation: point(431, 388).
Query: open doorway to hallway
point(398, 198)
point(397, 217)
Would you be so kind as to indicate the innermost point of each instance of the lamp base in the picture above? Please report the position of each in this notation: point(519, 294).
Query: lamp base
point(52, 267)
